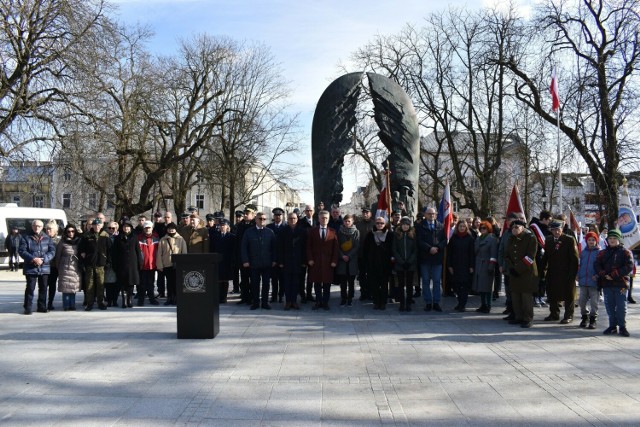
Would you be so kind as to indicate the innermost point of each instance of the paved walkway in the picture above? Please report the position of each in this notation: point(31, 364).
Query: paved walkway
point(349, 366)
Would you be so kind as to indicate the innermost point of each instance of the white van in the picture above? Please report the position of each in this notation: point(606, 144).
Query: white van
point(13, 216)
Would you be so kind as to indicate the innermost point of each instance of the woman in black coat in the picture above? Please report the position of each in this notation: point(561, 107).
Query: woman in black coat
point(127, 258)
point(377, 255)
point(223, 242)
point(461, 262)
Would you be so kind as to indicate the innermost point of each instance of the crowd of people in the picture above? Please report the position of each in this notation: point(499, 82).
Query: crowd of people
point(298, 256)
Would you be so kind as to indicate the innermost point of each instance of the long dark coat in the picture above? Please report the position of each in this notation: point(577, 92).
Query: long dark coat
point(378, 255)
point(519, 257)
point(486, 250)
point(349, 245)
point(225, 245)
point(127, 259)
point(560, 266)
point(461, 258)
point(323, 254)
point(292, 248)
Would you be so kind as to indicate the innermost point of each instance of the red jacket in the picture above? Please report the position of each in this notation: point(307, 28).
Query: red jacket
point(149, 249)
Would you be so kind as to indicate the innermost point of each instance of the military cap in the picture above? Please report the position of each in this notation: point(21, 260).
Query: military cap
point(365, 209)
point(218, 214)
point(158, 214)
point(96, 222)
point(553, 225)
point(192, 209)
point(224, 221)
point(239, 214)
point(210, 217)
point(277, 211)
point(184, 215)
point(250, 208)
point(397, 212)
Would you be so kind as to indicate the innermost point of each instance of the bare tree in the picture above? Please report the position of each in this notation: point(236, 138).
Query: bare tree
point(600, 42)
point(37, 38)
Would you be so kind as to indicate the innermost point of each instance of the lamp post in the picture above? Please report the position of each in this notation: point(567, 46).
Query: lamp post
point(544, 200)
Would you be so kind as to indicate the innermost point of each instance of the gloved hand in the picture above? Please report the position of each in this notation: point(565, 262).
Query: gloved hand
point(513, 272)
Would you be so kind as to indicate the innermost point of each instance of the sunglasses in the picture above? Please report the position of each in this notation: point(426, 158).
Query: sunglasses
point(112, 228)
point(379, 223)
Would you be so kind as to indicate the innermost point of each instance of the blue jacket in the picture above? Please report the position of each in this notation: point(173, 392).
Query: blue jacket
point(587, 267)
point(617, 263)
point(258, 247)
point(32, 246)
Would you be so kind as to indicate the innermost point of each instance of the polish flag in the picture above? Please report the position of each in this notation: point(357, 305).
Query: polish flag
point(445, 213)
point(384, 199)
point(515, 206)
point(555, 94)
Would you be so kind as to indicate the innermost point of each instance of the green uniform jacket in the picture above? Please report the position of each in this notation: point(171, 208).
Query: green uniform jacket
point(520, 256)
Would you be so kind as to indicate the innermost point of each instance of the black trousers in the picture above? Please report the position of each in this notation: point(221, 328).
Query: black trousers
point(405, 288)
point(32, 281)
point(323, 292)
point(51, 284)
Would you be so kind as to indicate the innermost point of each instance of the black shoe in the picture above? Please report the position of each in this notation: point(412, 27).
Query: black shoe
point(140, 303)
point(154, 302)
point(280, 299)
point(417, 294)
point(72, 308)
point(88, 307)
point(551, 318)
point(362, 297)
point(161, 295)
point(623, 332)
point(592, 323)
point(480, 309)
point(509, 317)
point(310, 298)
point(273, 299)
point(436, 307)
point(349, 303)
point(630, 300)
point(316, 306)
point(583, 322)
point(41, 310)
point(343, 302)
point(303, 299)
point(611, 330)
point(254, 306)
point(266, 306)
point(408, 308)
point(566, 320)
point(457, 307)
point(50, 307)
point(427, 307)
point(325, 306)
point(27, 311)
point(168, 301)
point(109, 303)
point(526, 324)
point(506, 311)
point(102, 306)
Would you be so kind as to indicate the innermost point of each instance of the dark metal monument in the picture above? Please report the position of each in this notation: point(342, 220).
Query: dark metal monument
point(331, 138)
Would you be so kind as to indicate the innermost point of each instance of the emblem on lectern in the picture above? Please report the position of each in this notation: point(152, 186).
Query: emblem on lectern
point(194, 281)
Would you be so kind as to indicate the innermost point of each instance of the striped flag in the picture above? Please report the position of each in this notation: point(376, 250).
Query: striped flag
point(384, 198)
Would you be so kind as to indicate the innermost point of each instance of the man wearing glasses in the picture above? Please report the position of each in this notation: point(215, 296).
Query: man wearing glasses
point(258, 254)
point(37, 251)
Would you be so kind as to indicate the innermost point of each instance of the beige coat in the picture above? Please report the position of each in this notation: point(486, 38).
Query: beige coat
point(168, 246)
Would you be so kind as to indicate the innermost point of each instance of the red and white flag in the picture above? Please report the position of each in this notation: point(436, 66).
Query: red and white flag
point(575, 227)
point(555, 94)
point(445, 213)
point(384, 198)
point(515, 206)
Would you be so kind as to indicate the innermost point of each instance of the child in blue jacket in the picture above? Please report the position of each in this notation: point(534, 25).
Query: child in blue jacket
point(588, 281)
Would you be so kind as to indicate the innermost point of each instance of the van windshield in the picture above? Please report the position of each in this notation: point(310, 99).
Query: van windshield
point(24, 224)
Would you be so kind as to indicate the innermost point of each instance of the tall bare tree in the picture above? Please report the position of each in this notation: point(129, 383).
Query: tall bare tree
point(37, 38)
point(598, 41)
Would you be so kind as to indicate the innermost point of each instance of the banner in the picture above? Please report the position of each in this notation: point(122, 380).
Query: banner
point(384, 198)
point(627, 222)
point(514, 206)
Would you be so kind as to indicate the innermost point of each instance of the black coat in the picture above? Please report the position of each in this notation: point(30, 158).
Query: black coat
point(461, 257)
point(127, 259)
point(226, 246)
point(378, 256)
point(291, 248)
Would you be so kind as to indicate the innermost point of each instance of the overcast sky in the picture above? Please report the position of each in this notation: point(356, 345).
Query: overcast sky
point(309, 39)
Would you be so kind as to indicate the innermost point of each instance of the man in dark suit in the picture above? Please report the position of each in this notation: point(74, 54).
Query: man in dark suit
point(306, 222)
point(277, 226)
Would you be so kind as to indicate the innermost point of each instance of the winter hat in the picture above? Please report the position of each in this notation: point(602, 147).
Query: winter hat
point(405, 220)
point(172, 225)
point(592, 234)
point(615, 233)
point(147, 224)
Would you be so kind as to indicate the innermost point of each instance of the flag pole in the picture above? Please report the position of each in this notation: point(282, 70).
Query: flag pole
point(559, 158)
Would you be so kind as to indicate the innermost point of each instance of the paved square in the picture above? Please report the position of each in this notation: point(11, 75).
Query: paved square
point(349, 366)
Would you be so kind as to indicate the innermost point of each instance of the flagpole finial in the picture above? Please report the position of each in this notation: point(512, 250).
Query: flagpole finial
point(624, 181)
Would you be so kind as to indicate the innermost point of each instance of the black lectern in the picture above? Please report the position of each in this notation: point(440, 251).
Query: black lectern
point(197, 291)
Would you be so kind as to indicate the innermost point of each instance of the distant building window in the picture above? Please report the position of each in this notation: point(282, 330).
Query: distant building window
point(38, 201)
point(67, 175)
point(93, 201)
point(200, 201)
point(66, 200)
